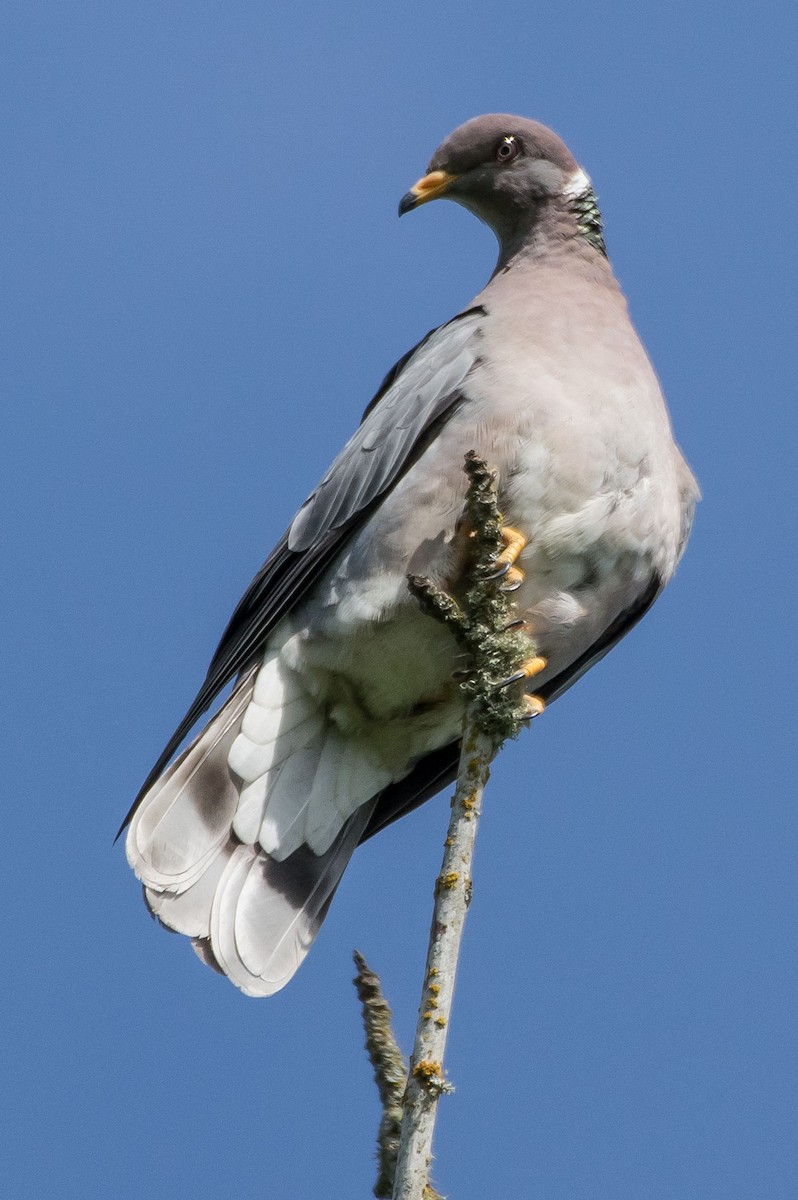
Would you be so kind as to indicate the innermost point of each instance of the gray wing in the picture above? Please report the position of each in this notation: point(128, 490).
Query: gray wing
point(384, 444)
point(422, 390)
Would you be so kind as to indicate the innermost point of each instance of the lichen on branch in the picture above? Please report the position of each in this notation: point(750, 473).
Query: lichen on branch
point(479, 619)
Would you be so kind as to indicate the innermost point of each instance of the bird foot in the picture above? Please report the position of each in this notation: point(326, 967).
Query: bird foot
point(527, 670)
point(534, 706)
point(513, 577)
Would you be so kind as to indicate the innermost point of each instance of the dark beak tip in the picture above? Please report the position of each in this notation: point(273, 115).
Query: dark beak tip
point(407, 203)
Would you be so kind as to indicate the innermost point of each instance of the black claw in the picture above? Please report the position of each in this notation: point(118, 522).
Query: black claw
point(511, 587)
point(515, 624)
point(497, 574)
point(462, 674)
point(516, 678)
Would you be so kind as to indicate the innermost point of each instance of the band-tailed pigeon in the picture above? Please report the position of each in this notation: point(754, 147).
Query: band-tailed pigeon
point(345, 714)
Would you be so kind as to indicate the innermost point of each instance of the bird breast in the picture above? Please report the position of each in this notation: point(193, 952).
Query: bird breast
point(585, 474)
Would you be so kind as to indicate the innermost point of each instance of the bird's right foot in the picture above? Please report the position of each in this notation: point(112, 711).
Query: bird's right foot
point(514, 542)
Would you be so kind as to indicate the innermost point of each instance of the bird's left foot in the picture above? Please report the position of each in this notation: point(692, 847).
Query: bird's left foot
point(534, 706)
point(527, 670)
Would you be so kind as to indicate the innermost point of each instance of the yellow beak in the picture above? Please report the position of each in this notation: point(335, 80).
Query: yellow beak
point(437, 183)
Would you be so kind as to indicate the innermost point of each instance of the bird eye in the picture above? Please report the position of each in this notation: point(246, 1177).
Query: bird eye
point(507, 150)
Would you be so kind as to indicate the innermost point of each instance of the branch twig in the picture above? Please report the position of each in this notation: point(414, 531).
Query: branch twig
point(426, 1082)
point(390, 1071)
point(480, 624)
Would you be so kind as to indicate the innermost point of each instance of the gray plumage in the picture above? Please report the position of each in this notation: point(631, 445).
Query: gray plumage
point(372, 459)
point(345, 714)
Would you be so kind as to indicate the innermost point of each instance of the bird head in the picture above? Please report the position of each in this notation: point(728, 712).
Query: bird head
point(504, 169)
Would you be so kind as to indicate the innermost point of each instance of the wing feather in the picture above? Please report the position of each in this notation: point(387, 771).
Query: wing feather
point(384, 442)
point(416, 394)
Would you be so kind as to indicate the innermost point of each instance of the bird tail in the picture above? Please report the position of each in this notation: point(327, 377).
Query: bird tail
point(241, 843)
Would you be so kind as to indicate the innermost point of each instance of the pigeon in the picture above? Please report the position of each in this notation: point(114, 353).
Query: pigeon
point(346, 711)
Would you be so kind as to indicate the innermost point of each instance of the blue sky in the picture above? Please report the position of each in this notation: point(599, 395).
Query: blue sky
point(203, 282)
